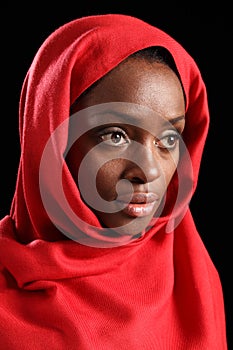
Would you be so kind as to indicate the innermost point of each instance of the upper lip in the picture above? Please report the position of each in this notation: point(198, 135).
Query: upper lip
point(139, 198)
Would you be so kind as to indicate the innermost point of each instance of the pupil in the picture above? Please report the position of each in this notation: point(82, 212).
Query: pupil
point(171, 140)
point(116, 137)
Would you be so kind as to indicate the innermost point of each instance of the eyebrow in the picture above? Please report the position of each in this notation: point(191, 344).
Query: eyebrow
point(129, 118)
point(176, 120)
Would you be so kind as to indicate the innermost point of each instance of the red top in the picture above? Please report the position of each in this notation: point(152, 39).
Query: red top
point(161, 291)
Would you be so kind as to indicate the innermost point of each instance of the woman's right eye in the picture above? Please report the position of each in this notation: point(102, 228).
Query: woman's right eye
point(114, 138)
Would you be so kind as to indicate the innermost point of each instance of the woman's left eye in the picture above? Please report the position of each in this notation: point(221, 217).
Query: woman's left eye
point(168, 142)
point(114, 138)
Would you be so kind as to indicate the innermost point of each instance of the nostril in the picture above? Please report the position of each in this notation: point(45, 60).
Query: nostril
point(137, 180)
point(142, 173)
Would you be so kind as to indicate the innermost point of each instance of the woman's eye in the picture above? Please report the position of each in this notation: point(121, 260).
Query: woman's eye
point(114, 138)
point(168, 142)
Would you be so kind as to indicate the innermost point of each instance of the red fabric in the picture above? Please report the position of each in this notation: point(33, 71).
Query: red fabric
point(160, 291)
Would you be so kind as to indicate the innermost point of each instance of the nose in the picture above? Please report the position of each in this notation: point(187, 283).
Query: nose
point(143, 167)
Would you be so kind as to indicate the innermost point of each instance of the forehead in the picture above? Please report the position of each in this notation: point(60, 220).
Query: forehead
point(152, 85)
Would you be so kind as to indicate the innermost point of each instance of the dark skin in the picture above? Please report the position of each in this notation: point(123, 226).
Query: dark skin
point(143, 152)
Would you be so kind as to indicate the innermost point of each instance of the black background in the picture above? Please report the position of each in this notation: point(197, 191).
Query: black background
point(205, 34)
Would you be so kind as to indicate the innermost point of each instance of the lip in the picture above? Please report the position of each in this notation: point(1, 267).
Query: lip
point(140, 205)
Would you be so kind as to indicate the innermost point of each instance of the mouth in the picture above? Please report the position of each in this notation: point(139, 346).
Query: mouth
point(140, 205)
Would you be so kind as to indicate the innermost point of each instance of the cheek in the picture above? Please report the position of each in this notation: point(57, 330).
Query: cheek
point(169, 166)
point(107, 177)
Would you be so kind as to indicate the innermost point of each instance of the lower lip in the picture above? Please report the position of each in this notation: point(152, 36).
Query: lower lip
point(139, 210)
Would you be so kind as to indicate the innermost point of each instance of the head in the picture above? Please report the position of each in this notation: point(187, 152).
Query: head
point(128, 153)
point(128, 158)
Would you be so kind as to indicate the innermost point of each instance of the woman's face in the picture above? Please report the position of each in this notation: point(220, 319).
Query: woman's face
point(131, 155)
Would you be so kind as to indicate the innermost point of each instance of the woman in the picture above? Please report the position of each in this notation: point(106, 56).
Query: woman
point(100, 250)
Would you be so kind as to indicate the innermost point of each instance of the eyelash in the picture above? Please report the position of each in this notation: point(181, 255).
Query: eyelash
point(160, 143)
point(172, 135)
point(109, 133)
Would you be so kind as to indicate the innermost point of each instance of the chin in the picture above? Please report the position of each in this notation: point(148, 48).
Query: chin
point(123, 225)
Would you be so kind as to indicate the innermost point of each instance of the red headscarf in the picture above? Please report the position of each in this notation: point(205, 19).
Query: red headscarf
point(160, 291)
